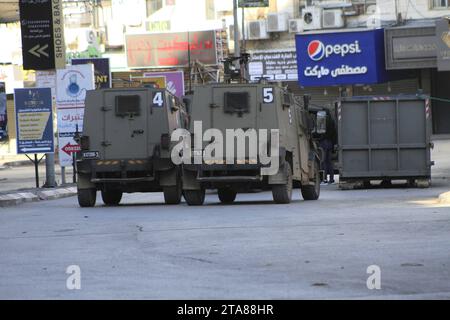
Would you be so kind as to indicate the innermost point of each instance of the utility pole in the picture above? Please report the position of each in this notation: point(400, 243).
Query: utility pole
point(50, 181)
point(237, 50)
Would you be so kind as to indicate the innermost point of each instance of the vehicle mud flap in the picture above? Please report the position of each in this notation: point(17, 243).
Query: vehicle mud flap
point(168, 178)
point(84, 182)
point(190, 181)
point(280, 177)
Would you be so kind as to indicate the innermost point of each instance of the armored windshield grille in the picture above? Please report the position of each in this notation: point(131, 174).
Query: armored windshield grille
point(236, 102)
point(128, 105)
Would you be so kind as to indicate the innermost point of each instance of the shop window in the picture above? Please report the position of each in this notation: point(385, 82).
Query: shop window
point(153, 6)
point(440, 3)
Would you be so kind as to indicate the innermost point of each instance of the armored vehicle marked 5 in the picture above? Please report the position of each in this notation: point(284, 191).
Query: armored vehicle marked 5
point(126, 147)
point(248, 106)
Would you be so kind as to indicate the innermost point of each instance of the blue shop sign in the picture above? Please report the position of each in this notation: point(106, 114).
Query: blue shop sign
point(34, 120)
point(338, 58)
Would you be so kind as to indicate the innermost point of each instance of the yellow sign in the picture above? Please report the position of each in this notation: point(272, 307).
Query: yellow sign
point(32, 125)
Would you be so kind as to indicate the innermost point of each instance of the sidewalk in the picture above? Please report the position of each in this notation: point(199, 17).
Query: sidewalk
point(18, 184)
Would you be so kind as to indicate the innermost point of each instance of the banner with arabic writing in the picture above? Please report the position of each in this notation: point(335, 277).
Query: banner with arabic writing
point(335, 58)
point(170, 49)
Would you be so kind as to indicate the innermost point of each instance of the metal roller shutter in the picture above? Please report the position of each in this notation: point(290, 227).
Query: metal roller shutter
point(320, 96)
point(409, 86)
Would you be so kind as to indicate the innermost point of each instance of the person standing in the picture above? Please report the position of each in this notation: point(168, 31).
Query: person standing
point(327, 142)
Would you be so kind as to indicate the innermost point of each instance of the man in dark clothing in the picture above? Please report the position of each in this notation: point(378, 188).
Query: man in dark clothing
point(327, 142)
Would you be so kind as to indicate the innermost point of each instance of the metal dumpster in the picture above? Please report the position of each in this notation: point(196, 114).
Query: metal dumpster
point(384, 138)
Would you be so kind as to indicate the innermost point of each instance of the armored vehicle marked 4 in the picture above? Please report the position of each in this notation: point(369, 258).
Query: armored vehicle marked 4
point(126, 147)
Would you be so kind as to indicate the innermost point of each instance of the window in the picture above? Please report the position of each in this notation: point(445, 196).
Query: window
point(153, 6)
point(236, 102)
point(127, 106)
point(210, 12)
point(440, 3)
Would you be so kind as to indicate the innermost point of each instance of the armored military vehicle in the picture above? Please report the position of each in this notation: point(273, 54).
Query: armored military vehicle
point(248, 106)
point(126, 147)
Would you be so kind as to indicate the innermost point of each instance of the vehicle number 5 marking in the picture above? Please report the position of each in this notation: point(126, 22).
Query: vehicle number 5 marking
point(268, 95)
point(158, 99)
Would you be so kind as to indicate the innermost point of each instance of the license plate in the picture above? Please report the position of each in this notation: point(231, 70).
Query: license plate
point(90, 155)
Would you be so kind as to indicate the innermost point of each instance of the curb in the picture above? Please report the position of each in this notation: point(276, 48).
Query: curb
point(444, 198)
point(16, 198)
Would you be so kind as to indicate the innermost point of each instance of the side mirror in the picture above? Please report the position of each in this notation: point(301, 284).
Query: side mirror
point(321, 122)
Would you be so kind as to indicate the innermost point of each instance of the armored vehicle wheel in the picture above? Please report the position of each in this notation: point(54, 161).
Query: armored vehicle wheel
point(172, 194)
point(282, 193)
point(226, 195)
point(312, 192)
point(87, 197)
point(111, 197)
point(194, 197)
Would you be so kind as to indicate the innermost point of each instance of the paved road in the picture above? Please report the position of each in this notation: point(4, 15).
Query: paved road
point(252, 249)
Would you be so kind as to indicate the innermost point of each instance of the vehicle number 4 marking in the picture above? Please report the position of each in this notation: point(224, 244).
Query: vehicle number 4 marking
point(268, 95)
point(158, 99)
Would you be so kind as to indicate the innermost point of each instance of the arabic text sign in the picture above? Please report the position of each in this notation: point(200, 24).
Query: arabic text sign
point(341, 58)
point(34, 120)
point(42, 34)
point(72, 85)
point(101, 70)
point(274, 65)
point(170, 49)
point(174, 81)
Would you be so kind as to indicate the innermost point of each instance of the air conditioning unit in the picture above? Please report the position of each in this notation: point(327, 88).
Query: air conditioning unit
point(295, 25)
point(277, 22)
point(257, 30)
point(312, 18)
point(333, 19)
point(231, 33)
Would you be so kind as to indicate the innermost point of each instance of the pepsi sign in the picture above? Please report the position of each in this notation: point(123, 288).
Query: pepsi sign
point(355, 57)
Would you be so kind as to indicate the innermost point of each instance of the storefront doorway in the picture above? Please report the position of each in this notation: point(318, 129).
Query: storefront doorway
point(441, 109)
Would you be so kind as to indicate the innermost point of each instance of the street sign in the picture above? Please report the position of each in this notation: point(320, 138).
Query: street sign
point(34, 120)
point(42, 30)
point(69, 149)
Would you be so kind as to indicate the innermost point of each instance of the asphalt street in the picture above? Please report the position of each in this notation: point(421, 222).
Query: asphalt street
point(253, 249)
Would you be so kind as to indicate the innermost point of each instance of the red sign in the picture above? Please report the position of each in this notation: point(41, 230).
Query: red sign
point(170, 49)
point(71, 148)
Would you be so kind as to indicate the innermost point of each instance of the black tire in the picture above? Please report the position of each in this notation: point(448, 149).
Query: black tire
point(172, 194)
point(312, 192)
point(111, 197)
point(87, 197)
point(282, 193)
point(226, 195)
point(194, 197)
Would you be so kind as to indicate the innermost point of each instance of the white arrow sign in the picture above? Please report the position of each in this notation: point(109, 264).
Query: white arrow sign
point(37, 51)
point(34, 149)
